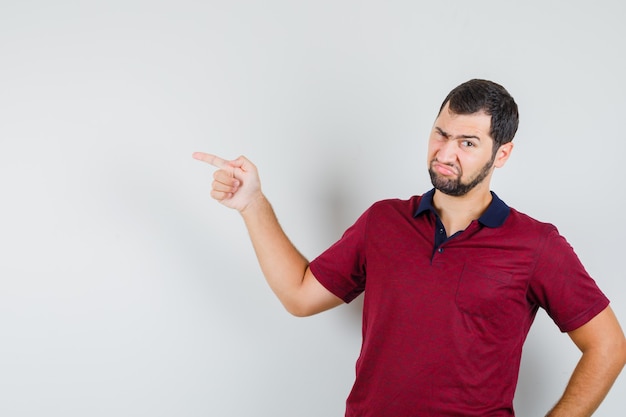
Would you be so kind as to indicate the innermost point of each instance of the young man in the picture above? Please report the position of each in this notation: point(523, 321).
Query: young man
point(452, 278)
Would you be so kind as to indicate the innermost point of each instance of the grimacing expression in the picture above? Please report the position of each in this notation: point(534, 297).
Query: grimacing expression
point(455, 187)
point(460, 152)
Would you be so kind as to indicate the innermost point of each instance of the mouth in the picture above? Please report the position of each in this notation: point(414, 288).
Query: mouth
point(444, 169)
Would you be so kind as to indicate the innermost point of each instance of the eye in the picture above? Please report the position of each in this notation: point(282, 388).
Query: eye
point(440, 134)
point(467, 143)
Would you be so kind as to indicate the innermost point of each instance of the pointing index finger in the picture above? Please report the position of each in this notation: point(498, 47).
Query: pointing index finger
point(211, 159)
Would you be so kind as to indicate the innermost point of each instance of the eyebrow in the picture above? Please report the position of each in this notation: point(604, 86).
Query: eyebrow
point(447, 135)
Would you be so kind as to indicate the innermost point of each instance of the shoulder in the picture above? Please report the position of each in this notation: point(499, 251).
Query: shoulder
point(523, 221)
point(385, 215)
point(524, 231)
point(404, 207)
point(397, 203)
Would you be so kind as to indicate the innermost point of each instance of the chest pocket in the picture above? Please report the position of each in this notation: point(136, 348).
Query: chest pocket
point(482, 293)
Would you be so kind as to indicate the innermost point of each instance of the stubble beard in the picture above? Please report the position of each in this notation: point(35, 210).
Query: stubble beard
point(453, 186)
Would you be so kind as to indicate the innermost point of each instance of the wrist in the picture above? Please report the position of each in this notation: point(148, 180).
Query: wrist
point(256, 203)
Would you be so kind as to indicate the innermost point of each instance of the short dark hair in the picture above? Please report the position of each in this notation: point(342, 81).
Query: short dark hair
point(477, 95)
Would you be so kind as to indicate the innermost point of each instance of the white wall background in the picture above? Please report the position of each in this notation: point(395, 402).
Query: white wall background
point(126, 291)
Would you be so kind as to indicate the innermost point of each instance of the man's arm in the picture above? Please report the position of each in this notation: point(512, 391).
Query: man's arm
point(236, 185)
point(603, 348)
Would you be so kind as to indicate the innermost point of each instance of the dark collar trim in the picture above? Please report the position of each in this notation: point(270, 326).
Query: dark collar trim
point(494, 216)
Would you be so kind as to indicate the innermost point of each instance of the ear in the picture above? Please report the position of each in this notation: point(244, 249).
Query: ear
point(502, 155)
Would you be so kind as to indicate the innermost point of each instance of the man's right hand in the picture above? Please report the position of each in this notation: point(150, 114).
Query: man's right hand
point(236, 183)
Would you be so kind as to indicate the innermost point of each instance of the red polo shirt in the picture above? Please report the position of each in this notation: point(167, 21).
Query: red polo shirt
point(444, 319)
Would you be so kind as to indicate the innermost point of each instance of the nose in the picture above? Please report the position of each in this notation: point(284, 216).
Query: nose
point(446, 152)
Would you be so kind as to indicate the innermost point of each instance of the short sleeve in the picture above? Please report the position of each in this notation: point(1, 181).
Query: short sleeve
point(561, 285)
point(341, 268)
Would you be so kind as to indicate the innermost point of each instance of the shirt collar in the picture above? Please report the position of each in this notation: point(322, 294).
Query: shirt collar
point(494, 216)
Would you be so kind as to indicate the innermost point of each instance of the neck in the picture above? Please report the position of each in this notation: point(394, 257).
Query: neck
point(456, 213)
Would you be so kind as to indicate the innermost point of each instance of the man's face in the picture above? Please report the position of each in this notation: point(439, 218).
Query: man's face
point(460, 152)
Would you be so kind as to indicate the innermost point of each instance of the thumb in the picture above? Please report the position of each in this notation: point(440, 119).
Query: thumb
point(242, 165)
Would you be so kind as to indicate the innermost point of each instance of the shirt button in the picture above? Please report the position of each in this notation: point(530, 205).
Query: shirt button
point(440, 231)
point(440, 250)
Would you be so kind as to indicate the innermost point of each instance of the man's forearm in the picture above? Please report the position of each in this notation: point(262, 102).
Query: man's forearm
point(282, 264)
point(593, 377)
